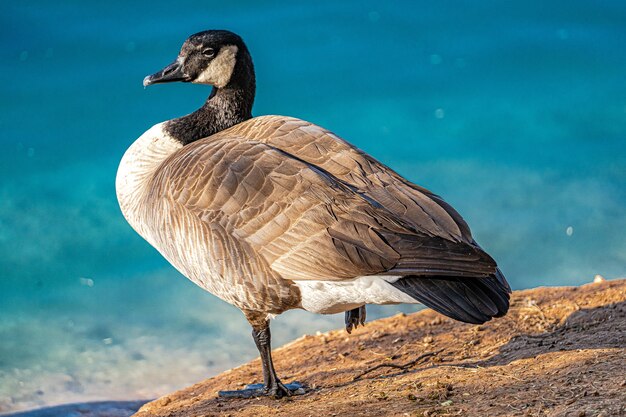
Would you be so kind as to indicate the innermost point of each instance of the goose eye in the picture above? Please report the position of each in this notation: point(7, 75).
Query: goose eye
point(208, 52)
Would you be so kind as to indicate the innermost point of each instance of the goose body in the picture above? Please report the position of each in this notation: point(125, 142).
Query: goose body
point(277, 213)
point(274, 213)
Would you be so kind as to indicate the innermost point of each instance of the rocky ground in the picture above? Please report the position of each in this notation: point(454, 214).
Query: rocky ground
point(559, 352)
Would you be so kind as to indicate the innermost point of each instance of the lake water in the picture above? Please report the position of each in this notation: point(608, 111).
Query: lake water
point(514, 112)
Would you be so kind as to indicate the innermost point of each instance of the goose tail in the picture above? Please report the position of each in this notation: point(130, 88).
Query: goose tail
point(470, 300)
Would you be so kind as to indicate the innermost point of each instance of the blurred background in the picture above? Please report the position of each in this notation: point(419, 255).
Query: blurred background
point(514, 112)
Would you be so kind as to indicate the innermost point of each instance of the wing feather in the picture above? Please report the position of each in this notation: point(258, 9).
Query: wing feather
point(311, 206)
point(427, 212)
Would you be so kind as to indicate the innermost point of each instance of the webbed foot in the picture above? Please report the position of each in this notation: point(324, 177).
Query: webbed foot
point(277, 390)
point(355, 317)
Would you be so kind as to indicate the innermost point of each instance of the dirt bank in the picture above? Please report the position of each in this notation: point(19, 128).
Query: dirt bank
point(559, 352)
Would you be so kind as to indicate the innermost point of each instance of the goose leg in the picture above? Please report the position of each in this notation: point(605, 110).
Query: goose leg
point(271, 387)
point(355, 317)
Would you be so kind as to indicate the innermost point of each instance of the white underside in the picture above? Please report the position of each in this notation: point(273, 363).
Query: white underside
point(330, 297)
point(135, 171)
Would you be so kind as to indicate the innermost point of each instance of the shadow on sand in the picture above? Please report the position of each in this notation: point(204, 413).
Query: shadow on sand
point(602, 327)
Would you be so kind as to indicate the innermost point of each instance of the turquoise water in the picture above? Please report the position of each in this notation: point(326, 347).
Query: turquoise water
point(515, 112)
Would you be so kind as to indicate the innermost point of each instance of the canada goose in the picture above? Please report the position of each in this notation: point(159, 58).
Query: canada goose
point(273, 213)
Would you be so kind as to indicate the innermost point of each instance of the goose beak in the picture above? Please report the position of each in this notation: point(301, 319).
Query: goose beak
point(173, 72)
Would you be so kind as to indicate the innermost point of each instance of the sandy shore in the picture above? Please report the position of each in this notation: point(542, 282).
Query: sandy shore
point(559, 352)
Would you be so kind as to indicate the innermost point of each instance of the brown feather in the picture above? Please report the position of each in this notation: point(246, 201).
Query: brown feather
point(309, 206)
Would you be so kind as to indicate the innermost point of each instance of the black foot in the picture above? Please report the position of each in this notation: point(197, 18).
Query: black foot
point(259, 390)
point(354, 318)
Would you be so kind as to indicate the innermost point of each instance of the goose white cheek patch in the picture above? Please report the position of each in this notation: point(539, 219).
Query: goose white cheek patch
point(220, 70)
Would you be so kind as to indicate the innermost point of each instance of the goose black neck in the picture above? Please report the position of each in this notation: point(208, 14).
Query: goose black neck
point(225, 107)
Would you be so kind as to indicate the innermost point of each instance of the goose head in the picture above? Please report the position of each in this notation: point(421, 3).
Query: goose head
point(215, 57)
point(218, 58)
